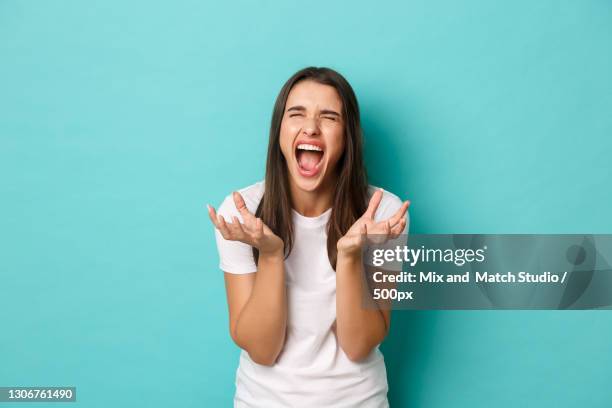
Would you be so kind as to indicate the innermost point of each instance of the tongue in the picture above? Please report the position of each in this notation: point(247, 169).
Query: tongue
point(308, 159)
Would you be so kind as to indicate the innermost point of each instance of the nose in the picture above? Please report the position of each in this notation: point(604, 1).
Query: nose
point(311, 127)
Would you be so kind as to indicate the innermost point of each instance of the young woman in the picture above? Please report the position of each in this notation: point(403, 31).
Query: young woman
point(291, 249)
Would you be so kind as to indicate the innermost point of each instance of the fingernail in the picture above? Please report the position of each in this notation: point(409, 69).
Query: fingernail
point(208, 206)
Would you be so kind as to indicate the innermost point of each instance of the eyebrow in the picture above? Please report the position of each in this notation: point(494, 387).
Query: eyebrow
point(323, 111)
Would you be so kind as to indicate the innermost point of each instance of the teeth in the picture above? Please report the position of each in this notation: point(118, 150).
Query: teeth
point(305, 146)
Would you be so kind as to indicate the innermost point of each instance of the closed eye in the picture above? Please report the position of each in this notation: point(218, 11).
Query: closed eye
point(334, 118)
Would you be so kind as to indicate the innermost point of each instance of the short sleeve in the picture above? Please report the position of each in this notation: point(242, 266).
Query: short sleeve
point(234, 256)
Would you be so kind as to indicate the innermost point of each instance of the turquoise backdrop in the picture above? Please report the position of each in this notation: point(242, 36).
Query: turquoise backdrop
point(119, 120)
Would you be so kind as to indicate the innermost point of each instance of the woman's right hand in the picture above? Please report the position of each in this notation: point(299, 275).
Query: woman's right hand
point(252, 232)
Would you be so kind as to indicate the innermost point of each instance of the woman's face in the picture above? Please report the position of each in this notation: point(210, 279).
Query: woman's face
point(312, 134)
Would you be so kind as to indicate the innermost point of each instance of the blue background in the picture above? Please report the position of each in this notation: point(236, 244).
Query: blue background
point(120, 120)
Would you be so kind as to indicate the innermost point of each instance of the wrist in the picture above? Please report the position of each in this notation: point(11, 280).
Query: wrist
point(349, 255)
point(272, 254)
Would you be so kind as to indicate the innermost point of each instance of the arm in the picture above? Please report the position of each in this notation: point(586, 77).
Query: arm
point(258, 309)
point(359, 328)
point(257, 301)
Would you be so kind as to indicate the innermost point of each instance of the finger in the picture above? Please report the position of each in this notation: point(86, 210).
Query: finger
point(400, 213)
point(237, 228)
point(374, 203)
point(240, 205)
point(222, 225)
point(212, 214)
point(259, 231)
point(384, 237)
point(398, 228)
point(380, 227)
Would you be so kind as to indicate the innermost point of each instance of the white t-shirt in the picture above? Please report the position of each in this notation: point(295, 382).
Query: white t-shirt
point(311, 370)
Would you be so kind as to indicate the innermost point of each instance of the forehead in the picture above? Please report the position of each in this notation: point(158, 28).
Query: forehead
point(311, 94)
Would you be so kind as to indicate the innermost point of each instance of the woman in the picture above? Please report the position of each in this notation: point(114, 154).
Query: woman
point(291, 249)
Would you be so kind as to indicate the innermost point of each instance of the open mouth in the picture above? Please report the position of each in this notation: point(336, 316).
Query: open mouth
point(309, 158)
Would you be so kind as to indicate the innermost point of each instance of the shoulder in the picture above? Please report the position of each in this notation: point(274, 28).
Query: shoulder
point(389, 204)
point(251, 194)
point(388, 198)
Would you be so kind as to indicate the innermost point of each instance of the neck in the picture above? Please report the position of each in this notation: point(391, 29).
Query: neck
point(311, 203)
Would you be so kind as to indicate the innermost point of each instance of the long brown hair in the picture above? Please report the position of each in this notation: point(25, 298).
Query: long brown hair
point(351, 193)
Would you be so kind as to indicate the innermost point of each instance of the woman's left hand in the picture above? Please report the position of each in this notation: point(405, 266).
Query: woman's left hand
point(355, 238)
